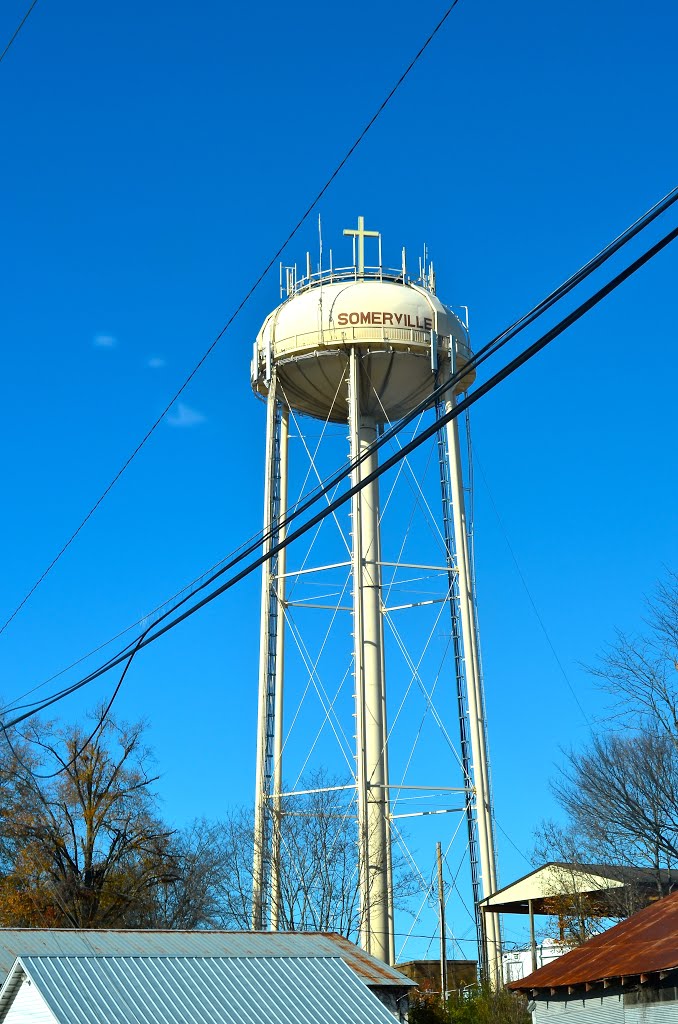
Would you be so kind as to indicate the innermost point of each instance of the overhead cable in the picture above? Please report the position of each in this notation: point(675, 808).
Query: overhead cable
point(485, 352)
point(428, 432)
point(272, 261)
point(17, 30)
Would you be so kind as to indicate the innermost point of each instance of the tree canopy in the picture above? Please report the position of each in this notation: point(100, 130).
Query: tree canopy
point(83, 843)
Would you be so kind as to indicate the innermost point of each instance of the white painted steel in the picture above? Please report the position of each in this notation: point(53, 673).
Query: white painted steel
point(386, 336)
point(481, 780)
point(260, 794)
point(376, 888)
point(271, 645)
point(279, 583)
point(308, 338)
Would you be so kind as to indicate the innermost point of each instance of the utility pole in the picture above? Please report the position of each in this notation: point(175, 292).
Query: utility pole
point(441, 914)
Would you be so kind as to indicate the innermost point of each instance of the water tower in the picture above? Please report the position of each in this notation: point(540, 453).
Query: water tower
point(364, 346)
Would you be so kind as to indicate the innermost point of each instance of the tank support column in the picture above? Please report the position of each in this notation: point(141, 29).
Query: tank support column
point(267, 803)
point(491, 955)
point(372, 782)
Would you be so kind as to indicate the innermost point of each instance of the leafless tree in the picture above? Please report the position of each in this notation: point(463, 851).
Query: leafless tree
point(640, 670)
point(191, 891)
point(319, 863)
point(620, 793)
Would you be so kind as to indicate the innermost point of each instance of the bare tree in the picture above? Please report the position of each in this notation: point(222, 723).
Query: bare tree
point(641, 669)
point(191, 892)
point(620, 793)
point(319, 863)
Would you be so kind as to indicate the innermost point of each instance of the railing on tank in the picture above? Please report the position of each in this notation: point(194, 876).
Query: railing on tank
point(291, 284)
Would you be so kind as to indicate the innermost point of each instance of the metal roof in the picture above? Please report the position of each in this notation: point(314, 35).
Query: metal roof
point(198, 990)
point(16, 942)
point(644, 944)
point(599, 884)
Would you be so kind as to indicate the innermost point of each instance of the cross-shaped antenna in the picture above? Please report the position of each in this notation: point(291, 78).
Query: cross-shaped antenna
point(361, 235)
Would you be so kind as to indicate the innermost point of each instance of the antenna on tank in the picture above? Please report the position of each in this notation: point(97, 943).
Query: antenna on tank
point(320, 276)
point(288, 280)
point(308, 266)
point(404, 265)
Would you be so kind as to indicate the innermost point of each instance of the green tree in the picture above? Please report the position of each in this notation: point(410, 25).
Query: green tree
point(476, 1006)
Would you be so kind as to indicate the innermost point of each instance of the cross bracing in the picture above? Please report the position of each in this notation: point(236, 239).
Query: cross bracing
point(418, 587)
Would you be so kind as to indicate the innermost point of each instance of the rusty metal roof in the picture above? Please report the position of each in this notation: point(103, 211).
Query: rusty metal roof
point(16, 942)
point(646, 943)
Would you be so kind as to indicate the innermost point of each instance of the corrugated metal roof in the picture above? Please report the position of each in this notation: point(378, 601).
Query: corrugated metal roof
point(645, 943)
point(202, 990)
point(16, 942)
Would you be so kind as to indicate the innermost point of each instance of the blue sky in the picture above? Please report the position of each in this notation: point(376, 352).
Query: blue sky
point(154, 157)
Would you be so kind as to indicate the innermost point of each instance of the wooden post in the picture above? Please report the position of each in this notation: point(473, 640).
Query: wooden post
point(441, 912)
point(533, 943)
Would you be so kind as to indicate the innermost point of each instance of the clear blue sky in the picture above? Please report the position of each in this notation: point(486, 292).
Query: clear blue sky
point(154, 157)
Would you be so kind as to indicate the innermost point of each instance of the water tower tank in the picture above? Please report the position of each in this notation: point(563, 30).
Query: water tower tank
point(401, 330)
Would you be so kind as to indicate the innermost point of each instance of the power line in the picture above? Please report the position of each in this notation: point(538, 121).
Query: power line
point(18, 29)
point(530, 598)
point(489, 349)
point(484, 389)
point(14, 705)
point(515, 847)
point(236, 312)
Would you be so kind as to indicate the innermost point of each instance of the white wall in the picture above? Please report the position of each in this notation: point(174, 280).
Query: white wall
point(28, 1007)
point(517, 964)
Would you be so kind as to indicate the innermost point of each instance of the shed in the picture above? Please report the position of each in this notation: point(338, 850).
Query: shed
point(542, 890)
point(627, 975)
point(186, 989)
point(389, 985)
point(598, 889)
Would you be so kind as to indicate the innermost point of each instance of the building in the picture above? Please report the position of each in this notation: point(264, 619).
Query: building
point(426, 974)
point(565, 890)
point(161, 989)
point(253, 952)
point(517, 963)
point(627, 975)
